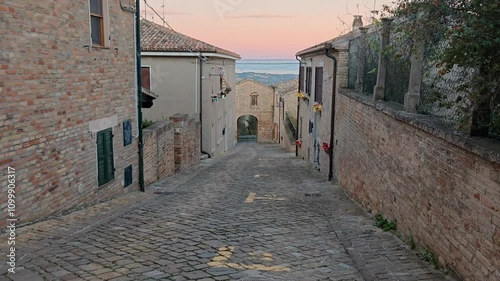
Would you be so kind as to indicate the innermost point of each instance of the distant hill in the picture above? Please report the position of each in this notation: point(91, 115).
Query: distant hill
point(265, 78)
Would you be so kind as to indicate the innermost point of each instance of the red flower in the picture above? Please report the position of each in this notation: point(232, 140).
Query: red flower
point(299, 143)
point(326, 147)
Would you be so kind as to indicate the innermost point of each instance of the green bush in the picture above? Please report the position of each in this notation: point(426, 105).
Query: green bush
point(146, 123)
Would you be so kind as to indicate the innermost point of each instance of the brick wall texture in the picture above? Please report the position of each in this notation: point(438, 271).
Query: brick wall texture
point(158, 152)
point(170, 147)
point(443, 195)
point(186, 141)
point(51, 87)
point(264, 111)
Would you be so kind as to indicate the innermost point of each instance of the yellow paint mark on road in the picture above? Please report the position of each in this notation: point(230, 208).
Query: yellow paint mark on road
point(261, 257)
point(225, 253)
point(222, 257)
point(250, 198)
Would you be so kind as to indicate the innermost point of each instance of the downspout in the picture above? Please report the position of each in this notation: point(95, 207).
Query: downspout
point(274, 110)
point(281, 110)
point(332, 121)
point(200, 57)
point(139, 92)
point(298, 111)
point(201, 101)
point(279, 120)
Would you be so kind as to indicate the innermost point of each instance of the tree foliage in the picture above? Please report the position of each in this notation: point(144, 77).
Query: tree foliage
point(471, 30)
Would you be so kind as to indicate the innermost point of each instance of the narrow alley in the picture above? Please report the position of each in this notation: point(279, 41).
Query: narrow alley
point(257, 214)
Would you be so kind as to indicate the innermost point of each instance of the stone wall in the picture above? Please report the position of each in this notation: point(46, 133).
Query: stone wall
point(170, 147)
point(443, 188)
point(187, 141)
point(56, 92)
point(158, 152)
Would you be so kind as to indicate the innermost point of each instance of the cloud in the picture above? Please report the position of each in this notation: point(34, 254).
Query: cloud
point(259, 16)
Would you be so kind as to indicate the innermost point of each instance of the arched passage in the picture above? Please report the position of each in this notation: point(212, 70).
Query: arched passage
point(248, 128)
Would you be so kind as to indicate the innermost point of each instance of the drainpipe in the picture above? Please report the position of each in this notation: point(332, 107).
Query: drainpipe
point(298, 111)
point(139, 92)
point(274, 110)
point(200, 57)
point(332, 121)
point(279, 120)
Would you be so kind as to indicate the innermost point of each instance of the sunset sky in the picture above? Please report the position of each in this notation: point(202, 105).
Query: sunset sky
point(264, 29)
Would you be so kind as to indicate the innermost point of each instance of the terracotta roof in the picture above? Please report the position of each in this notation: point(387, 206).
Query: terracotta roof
point(340, 42)
point(155, 37)
point(321, 46)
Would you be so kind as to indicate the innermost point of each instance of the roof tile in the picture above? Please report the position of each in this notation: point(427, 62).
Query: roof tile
point(155, 37)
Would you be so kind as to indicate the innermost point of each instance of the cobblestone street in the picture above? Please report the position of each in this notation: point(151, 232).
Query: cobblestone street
point(257, 214)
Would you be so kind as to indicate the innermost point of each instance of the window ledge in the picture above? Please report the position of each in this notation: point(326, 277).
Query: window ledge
point(100, 47)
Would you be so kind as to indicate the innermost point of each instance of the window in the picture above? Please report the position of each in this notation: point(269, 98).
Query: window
point(318, 85)
point(127, 132)
point(254, 99)
point(98, 22)
point(146, 77)
point(105, 160)
point(308, 80)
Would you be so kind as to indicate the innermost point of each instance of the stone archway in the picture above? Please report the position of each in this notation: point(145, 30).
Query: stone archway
point(247, 128)
point(259, 100)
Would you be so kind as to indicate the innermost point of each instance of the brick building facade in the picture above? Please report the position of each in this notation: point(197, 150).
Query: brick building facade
point(258, 100)
point(440, 185)
point(67, 104)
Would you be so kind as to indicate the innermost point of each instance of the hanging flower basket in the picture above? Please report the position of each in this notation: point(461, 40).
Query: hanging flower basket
point(302, 96)
point(215, 98)
point(326, 147)
point(317, 107)
point(299, 143)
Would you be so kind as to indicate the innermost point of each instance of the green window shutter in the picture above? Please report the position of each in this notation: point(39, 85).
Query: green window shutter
point(105, 163)
point(101, 158)
point(110, 171)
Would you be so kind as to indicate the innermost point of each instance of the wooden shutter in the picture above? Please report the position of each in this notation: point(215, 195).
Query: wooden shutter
point(308, 80)
point(105, 160)
point(318, 87)
point(101, 159)
point(301, 79)
point(146, 77)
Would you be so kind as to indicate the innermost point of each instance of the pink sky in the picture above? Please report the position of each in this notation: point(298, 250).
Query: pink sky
point(262, 28)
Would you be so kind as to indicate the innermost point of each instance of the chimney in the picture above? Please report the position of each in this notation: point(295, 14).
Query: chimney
point(357, 23)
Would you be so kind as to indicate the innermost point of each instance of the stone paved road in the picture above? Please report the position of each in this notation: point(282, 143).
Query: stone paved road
point(245, 217)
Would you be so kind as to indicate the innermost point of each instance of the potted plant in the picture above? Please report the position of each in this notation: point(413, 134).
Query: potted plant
point(318, 107)
point(302, 96)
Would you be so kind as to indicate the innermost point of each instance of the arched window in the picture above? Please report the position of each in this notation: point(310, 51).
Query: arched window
point(254, 99)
